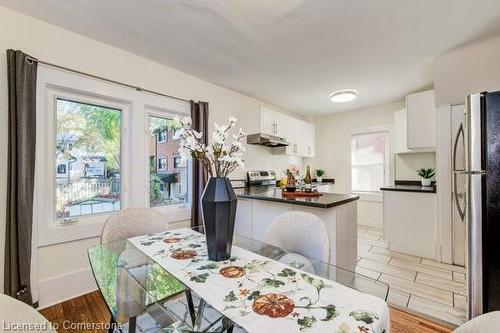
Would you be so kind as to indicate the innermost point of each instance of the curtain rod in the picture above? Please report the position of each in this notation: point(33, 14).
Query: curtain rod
point(105, 79)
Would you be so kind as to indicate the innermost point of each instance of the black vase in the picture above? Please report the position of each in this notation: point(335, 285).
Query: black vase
point(218, 203)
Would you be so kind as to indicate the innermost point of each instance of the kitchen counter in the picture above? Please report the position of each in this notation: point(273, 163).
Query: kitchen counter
point(326, 200)
point(410, 186)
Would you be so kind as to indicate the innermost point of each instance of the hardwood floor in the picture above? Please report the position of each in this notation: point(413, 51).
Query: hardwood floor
point(90, 308)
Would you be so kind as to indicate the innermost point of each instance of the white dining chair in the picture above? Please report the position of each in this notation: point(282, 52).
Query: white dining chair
point(132, 222)
point(304, 235)
point(486, 323)
point(14, 312)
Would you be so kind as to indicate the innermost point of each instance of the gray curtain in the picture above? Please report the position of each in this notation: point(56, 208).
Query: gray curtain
point(22, 72)
point(199, 117)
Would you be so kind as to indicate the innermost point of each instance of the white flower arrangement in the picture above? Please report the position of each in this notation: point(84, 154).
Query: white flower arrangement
point(218, 159)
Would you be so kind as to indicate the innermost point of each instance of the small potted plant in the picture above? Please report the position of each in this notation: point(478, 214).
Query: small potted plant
point(319, 175)
point(426, 175)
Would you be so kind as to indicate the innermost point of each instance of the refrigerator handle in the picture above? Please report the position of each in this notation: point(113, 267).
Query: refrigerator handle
point(460, 133)
point(458, 196)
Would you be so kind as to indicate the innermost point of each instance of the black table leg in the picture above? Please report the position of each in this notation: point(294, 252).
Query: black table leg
point(190, 304)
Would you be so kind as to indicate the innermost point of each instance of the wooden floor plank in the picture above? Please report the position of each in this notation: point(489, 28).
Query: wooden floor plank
point(91, 308)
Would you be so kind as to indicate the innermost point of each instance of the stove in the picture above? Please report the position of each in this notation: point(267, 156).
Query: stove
point(261, 178)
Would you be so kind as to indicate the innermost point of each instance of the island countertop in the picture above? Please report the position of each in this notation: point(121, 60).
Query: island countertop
point(326, 200)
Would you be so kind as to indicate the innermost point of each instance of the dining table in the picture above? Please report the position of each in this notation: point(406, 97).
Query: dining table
point(164, 282)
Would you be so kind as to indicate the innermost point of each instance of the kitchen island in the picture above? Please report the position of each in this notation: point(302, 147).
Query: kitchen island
point(259, 206)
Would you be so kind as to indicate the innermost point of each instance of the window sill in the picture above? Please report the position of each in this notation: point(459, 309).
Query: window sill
point(54, 233)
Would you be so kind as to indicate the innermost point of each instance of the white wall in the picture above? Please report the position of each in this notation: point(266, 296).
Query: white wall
point(467, 69)
point(66, 264)
point(406, 165)
point(333, 134)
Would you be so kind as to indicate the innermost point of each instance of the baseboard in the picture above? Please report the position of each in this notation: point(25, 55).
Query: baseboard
point(64, 287)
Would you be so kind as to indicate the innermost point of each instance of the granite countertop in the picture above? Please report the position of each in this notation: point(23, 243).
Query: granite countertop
point(326, 200)
point(410, 186)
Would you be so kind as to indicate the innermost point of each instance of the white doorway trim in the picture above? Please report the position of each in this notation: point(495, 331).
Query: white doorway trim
point(443, 180)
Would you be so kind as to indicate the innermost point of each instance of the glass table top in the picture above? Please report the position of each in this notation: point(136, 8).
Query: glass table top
point(135, 287)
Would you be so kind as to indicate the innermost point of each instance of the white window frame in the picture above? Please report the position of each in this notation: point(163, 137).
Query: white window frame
point(135, 190)
point(179, 211)
point(388, 165)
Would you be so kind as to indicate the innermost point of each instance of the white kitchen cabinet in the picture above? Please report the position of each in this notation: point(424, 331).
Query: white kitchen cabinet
point(421, 120)
point(410, 224)
point(340, 222)
point(243, 223)
point(400, 132)
point(273, 123)
point(301, 136)
point(308, 139)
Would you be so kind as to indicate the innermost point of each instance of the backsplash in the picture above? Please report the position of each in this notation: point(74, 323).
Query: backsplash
point(406, 165)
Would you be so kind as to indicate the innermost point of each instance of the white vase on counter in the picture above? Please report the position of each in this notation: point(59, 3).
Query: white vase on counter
point(319, 179)
point(426, 182)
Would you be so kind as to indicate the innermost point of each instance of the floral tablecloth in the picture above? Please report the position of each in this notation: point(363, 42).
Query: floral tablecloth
point(263, 295)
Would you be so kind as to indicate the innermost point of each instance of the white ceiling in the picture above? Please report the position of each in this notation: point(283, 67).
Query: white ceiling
point(290, 53)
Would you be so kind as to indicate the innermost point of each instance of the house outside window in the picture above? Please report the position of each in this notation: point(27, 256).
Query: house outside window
point(177, 162)
point(162, 136)
point(369, 162)
point(168, 182)
point(88, 139)
point(162, 164)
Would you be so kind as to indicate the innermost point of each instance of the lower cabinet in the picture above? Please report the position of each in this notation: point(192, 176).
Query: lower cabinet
point(243, 223)
point(410, 223)
point(254, 218)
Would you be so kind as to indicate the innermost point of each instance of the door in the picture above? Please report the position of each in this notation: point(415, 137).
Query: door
point(459, 186)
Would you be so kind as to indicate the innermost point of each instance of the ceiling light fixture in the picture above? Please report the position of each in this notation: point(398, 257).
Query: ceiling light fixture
point(344, 95)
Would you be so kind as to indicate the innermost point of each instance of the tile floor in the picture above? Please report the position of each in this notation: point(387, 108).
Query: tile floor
point(420, 284)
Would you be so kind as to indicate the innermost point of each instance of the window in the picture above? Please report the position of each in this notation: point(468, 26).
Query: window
point(369, 161)
point(88, 138)
point(162, 135)
point(162, 163)
point(61, 168)
point(166, 186)
point(87, 125)
point(177, 162)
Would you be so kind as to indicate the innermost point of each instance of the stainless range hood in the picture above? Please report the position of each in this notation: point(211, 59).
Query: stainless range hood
point(266, 140)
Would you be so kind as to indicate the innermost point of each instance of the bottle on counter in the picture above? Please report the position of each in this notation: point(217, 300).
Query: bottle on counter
point(290, 183)
point(308, 180)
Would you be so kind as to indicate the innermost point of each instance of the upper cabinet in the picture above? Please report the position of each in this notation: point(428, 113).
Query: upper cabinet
point(400, 132)
point(272, 122)
point(421, 120)
point(415, 126)
point(300, 134)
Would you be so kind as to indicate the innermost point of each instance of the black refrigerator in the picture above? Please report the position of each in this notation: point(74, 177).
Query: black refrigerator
point(479, 205)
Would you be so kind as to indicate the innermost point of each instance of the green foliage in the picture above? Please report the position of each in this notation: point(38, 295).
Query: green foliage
point(319, 172)
point(254, 295)
point(211, 265)
point(306, 322)
point(231, 297)
point(368, 317)
point(331, 313)
point(287, 272)
point(273, 282)
point(201, 278)
point(426, 173)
